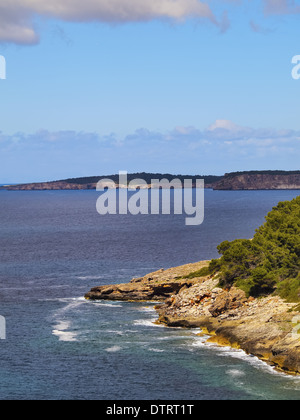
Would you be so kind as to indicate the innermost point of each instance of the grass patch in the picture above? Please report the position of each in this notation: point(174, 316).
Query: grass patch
point(203, 272)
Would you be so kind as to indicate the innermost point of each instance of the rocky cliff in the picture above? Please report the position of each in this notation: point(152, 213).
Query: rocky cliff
point(157, 286)
point(265, 180)
point(265, 327)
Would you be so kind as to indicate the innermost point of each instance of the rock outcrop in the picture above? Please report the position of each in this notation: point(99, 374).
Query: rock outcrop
point(265, 180)
point(267, 327)
point(157, 286)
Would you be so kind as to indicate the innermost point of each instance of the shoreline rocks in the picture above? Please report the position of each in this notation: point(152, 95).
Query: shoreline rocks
point(156, 286)
point(266, 327)
point(261, 327)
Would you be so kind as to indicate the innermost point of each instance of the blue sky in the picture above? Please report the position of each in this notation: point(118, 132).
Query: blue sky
point(178, 86)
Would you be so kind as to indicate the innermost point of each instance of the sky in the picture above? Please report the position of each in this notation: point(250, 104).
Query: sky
point(178, 86)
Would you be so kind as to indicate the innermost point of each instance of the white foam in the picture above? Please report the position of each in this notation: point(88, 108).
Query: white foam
point(62, 325)
point(90, 277)
point(250, 359)
point(174, 338)
point(235, 373)
point(71, 303)
point(226, 351)
point(201, 341)
point(156, 350)
point(147, 323)
point(146, 309)
point(66, 336)
point(80, 299)
point(113, 349)
point(106, 305)
point(196, 331)
point(60, 331)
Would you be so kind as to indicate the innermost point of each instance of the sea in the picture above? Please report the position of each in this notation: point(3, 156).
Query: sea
point(54, 247)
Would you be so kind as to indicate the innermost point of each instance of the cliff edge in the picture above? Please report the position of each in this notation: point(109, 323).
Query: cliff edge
point(264, 327)
point(264, 180)
point(248, 298)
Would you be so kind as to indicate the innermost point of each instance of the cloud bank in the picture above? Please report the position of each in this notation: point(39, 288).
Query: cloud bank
point(223, 147)
point(281, 7)
point(17, 16)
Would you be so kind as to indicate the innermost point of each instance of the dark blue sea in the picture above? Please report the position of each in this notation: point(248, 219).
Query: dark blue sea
point(54, 247)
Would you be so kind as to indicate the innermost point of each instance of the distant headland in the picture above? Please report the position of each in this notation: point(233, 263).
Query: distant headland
point(235, 181)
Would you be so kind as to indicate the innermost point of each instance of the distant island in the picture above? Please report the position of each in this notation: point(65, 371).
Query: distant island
point(234, 181)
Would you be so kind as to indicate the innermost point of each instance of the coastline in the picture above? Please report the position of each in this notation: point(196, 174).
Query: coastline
point(234, 181)
point(266, 327)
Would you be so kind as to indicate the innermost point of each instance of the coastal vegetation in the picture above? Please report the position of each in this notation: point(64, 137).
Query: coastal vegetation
point(270, 262)
point(203, 272)
point(277, 172)
point(209, 179)
point(148, 177)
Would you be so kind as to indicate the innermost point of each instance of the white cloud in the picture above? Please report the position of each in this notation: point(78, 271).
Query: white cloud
point(225, 133)
point(17, 16)
point(281, 7)
point(122, 10)
point(223, 147)
point(223, 124)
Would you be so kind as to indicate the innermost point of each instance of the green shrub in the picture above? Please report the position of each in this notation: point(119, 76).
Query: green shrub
point(204, 271)
point(270, 261)
point(289, 289)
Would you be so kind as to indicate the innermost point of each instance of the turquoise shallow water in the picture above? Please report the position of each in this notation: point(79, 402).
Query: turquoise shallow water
point(54, 247)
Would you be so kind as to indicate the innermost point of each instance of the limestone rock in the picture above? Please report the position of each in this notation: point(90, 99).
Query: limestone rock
point(157, 286)
point(267, 327)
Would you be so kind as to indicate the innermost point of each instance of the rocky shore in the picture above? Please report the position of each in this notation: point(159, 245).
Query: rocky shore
point(267, 327)
point(157, 286)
